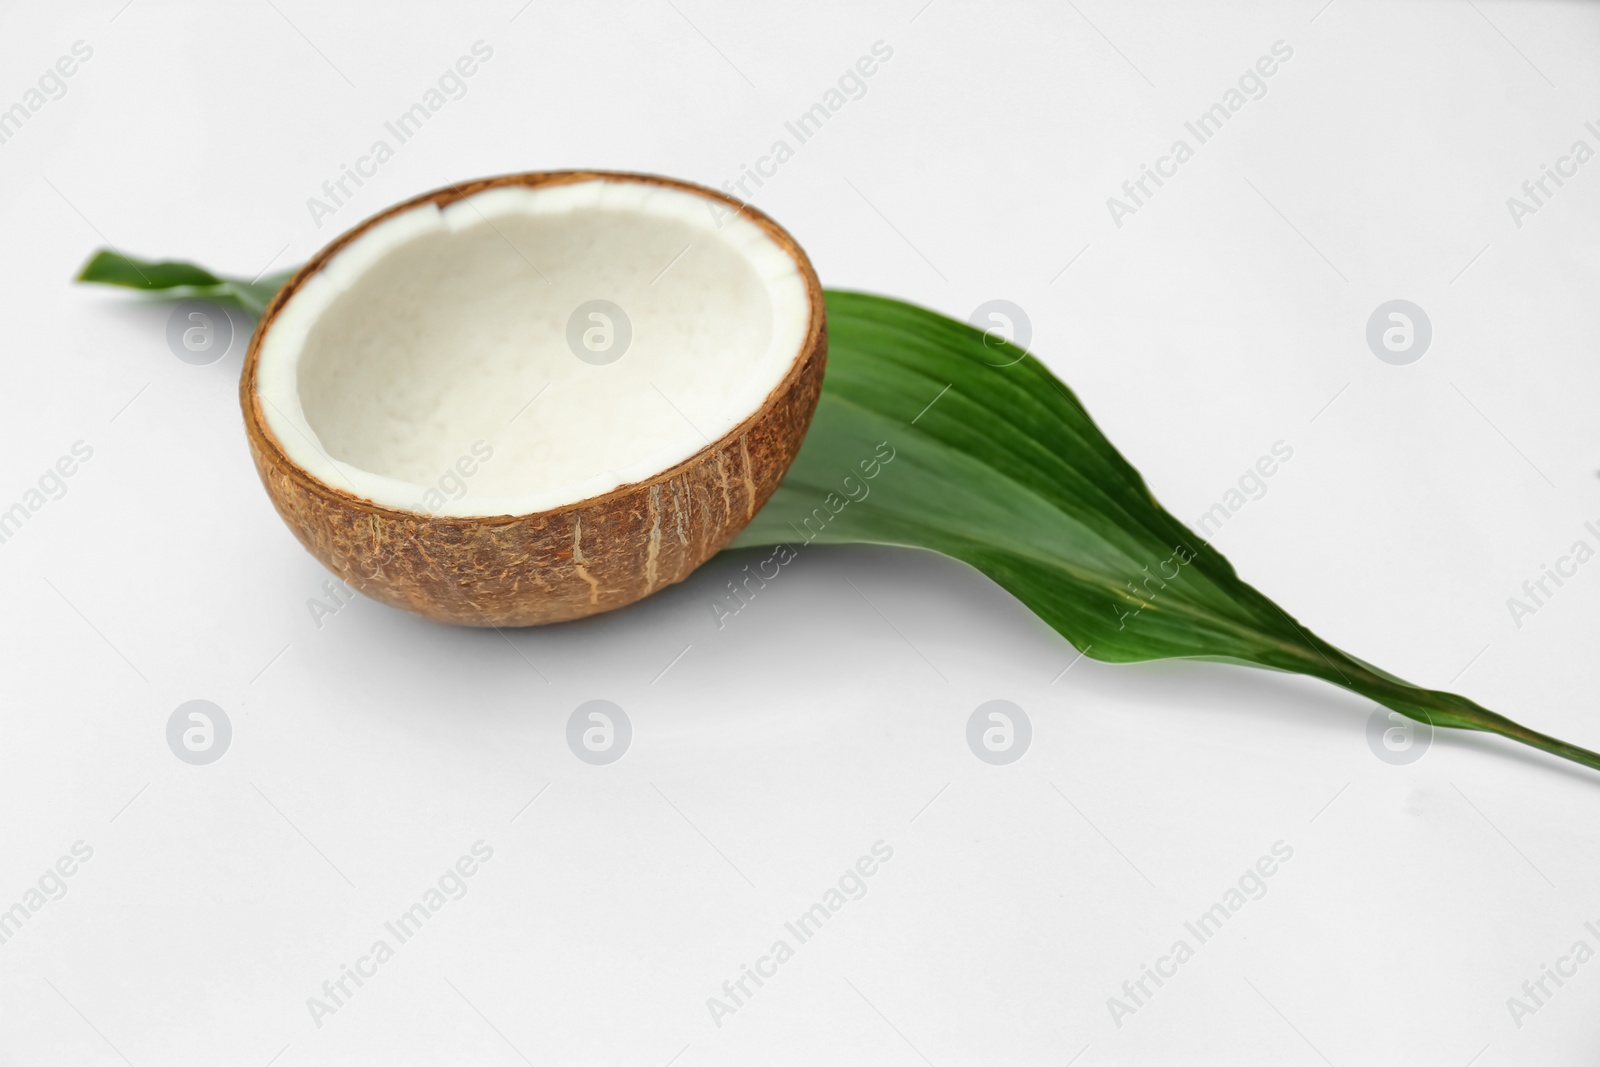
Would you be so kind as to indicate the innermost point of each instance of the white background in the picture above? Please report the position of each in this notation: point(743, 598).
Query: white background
point(1226, 315)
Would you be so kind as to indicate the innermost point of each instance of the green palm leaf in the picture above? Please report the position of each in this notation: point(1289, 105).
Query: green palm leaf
point(995, 463)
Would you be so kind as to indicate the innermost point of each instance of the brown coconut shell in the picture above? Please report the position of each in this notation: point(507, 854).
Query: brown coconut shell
point(577, 560)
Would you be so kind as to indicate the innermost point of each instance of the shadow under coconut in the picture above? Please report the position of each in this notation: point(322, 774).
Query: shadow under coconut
point(1225, 691)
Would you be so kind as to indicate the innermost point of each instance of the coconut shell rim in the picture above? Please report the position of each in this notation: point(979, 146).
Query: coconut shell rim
point(812, 345)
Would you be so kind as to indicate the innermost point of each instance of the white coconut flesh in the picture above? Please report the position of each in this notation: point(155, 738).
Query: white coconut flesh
point(427, 366)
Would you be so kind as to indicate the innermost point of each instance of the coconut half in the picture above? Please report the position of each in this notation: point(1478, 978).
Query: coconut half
point(535, 397)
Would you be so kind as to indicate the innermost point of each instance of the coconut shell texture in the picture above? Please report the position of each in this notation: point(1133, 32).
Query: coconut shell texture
point(578, 560)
